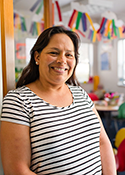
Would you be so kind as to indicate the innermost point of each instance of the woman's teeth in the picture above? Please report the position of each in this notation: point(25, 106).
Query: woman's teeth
point(60, 69)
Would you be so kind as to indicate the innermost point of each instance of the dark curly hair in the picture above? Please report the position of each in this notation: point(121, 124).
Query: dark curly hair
point(31, 72)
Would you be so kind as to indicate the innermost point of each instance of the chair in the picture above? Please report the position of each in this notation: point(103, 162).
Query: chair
point(119, 150)
point(120, 157)
point(120, 118)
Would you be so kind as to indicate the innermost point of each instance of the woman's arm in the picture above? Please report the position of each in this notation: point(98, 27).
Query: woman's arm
point(107, 155)
point(15, 149)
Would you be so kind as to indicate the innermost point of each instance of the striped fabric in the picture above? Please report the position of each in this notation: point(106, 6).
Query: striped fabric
point(64, 140)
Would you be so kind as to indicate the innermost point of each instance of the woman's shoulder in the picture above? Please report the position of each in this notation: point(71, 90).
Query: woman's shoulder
point(76, 88)
point(17, 93)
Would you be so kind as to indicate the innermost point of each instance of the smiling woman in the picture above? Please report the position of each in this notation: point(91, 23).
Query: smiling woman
point(49, 123)
point(56, 64)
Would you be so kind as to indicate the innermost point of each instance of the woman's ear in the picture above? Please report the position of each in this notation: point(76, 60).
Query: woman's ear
point(36, 57)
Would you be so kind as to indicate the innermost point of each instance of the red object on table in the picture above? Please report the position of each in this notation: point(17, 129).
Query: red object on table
point(93, 96)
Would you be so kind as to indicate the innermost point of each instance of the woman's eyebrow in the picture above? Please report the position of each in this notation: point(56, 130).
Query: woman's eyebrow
point(55, 48)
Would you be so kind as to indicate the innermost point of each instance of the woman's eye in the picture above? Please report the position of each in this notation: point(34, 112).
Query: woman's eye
point(69, 55)
point(53, 53)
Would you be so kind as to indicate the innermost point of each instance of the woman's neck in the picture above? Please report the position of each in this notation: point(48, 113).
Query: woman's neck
point(48, 87)
point(58, 95)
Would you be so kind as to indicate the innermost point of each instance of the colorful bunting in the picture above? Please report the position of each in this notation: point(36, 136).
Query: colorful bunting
point(94, 32)
point(102, 30)
point(23, 24)
point(35, 5)
point(114, 28)
point(58, 9)
point(90, 34)
point(70, 24)
point(94, 35)
point(19, 22)
point(107, 27)
point(14, 19)
point(101, 25)
point(78, 20)
point(84, 22)
point(123, 29)
point(38, 3)
point(99, 36)
point(36, 28)
point(73, 18)
point(90, 20)
point(39, 8)
point(119, 31)
point(80, 33)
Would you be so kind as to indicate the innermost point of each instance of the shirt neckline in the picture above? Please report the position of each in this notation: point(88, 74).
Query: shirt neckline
point(49, 104)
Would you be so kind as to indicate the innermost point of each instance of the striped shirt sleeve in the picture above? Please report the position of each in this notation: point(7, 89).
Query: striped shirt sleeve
point(88, 99)
point(14, 109)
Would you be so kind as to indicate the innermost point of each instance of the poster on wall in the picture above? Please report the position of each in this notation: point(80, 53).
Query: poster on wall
point(106, 55)
point(20, 51)
point(105, 62)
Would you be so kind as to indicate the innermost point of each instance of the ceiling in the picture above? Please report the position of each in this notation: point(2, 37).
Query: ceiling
point(94, 8)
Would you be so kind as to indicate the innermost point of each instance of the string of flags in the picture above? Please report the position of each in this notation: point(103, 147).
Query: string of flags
point(19, 22)
point(107, 27)
point(36, 28)
point(38, 4)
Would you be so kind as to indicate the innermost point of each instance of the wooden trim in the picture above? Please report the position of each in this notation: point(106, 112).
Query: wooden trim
point(7, 45)
point(3, 48)
point(47, 14)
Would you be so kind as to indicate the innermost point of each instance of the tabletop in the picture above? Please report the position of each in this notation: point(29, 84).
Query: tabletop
point(100, 106)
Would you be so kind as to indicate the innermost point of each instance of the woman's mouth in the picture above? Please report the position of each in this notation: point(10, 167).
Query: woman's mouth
point(60, 70)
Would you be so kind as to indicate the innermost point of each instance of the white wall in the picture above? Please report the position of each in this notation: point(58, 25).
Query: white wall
point(109, 78)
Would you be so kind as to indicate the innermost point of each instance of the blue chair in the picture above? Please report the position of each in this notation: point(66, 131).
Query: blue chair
point(120, 118)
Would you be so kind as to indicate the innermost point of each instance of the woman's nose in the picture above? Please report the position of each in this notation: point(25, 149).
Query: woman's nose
point(61, 59)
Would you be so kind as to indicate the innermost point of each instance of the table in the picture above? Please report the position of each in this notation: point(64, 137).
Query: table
point(106, 108)
point(107, 111)
point(101, 106)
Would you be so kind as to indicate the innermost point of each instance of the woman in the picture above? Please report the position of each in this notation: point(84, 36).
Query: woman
point(49, 124)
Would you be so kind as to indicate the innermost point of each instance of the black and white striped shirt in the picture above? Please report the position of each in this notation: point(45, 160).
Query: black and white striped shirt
point(64, 140)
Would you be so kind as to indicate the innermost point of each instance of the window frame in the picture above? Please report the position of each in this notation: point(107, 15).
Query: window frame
point(90, 57)
point(121, 62)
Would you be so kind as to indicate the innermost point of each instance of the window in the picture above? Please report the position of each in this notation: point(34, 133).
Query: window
point(29, 44)
point(121, 62)
point(84, 68)
point(22, 55)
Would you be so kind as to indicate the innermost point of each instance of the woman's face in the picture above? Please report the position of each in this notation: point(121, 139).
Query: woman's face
point(57, 60)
